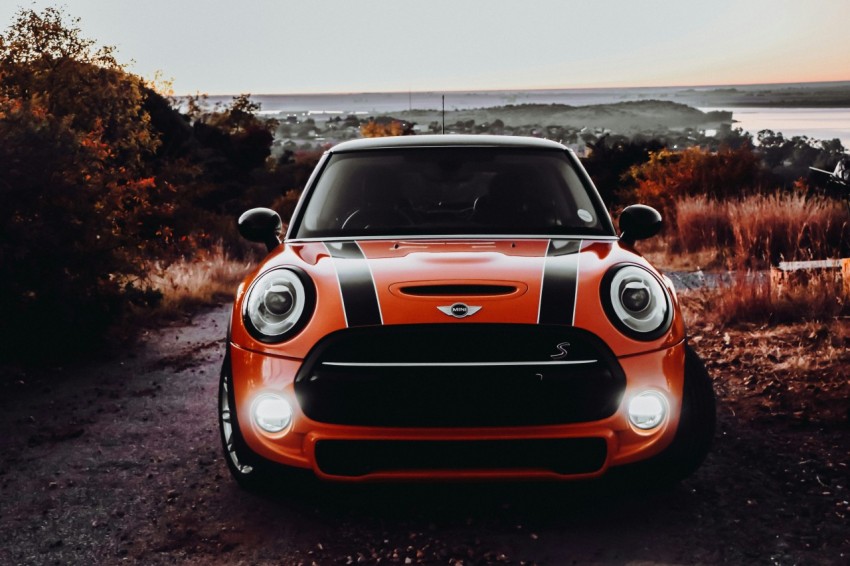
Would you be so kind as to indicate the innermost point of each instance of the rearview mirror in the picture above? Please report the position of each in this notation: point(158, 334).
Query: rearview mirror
point(638, 222)
point(261, 225)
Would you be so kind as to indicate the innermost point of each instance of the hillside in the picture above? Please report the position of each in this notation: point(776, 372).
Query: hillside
point(623, 117)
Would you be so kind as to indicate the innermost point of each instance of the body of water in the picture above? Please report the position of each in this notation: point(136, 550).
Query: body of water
point(818, 123)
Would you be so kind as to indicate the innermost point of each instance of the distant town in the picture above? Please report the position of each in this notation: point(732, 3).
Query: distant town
point(575, 126)
point(680, 116)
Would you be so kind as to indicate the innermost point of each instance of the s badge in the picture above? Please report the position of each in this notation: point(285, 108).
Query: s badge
point(459, 310)
point(562, 351)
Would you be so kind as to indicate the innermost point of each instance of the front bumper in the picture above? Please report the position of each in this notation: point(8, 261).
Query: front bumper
point(409, 450)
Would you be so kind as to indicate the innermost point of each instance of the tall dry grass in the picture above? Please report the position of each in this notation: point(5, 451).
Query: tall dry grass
point(209, 278)
point(760, 230)
point(749, 235)
point(781, 298)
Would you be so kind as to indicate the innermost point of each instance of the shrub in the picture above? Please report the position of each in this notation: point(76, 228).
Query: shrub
point(609, 164)
point(76, 203)
point(100, 176)
point(385, 126)
point(68, 225)
point(668, 176)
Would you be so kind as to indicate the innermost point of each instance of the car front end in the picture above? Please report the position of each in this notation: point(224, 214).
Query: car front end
point(364, 351)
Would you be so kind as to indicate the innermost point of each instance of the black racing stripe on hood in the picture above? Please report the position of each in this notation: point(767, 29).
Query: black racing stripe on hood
point(560, 282)
point(359, 296)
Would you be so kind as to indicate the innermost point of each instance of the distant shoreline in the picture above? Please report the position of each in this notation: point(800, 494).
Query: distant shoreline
point(782, 95)
point(820, 111)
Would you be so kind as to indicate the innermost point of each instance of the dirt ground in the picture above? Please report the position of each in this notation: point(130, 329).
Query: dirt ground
point(120, 461)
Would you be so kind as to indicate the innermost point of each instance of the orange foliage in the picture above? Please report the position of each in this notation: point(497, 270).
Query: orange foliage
point(668, 175)
point(100, 175)
point(78, 200)
point(373, 129)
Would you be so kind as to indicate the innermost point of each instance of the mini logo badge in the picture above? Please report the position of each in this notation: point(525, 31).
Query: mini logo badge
point(459, 310)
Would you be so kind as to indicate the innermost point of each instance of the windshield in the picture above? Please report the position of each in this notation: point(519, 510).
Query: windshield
point(451, 191)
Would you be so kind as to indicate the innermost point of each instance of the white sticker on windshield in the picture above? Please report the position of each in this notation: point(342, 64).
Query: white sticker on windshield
point(585, 215)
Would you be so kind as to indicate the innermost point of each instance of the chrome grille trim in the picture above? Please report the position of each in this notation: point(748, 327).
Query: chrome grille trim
point(455, 364)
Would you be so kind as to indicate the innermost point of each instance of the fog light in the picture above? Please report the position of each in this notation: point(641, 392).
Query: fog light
point(272, 413)
point(647, 410)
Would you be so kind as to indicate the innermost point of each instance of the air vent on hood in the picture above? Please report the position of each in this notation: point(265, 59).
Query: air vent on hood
point(458, 290)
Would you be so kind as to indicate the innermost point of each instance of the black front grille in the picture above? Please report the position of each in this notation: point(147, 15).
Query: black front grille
point(459, 375)
point(362, 457)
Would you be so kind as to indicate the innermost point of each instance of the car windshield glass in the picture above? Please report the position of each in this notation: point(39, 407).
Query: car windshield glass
point(451, 191)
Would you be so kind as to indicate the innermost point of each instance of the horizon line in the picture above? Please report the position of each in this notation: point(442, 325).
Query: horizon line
point(532, 89)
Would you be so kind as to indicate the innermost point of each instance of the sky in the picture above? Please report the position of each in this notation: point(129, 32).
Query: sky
point(312, 46)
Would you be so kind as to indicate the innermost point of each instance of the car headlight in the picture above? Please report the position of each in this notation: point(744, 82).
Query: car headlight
point(278, 304)
point(636, 302)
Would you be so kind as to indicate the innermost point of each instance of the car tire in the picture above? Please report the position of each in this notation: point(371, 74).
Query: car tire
point(250, 470)
point(694, 436)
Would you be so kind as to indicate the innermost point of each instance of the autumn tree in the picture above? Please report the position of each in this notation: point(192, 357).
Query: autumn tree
point(238, 131)
point(76, 200)
point(242, 113)
point(609, 163)
point(45, 60)
point(386, 127)
point(669, 175)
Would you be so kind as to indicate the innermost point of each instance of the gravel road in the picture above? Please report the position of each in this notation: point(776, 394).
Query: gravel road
point(120, 462)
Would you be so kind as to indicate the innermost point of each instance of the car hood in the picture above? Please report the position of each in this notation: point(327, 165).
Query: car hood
point(395, 281)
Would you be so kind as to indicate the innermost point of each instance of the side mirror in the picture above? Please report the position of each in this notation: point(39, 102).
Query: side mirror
point(840, 177)
point(638, 222)
point(261, 225)
point(842, 171)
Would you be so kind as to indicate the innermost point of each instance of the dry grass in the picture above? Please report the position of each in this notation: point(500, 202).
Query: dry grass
point(661, 253)
point(776, 349)
point(210, 278)
point(778, 299)
point(761, 230)
point(757, 232)
point(703, 224)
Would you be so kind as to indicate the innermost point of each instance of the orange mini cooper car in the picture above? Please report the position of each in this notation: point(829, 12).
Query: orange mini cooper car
point(458, 307)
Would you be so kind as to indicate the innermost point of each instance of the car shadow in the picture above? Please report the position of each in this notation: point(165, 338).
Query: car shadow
point(613, 498)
